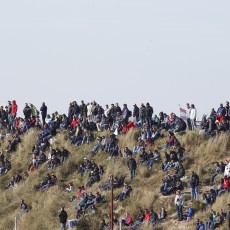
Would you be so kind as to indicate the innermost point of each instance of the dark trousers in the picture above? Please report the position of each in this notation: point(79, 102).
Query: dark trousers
point(179, 209)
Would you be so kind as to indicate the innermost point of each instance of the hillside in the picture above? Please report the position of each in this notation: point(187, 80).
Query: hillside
point(44, 206)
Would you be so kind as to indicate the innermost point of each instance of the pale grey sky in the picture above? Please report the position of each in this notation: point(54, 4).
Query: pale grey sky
point(163, 52)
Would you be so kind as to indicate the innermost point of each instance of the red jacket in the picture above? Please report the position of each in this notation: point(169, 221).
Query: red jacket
point(74, 122)
point(14, 108)
point(171, 139)
point(147, 216)
point(226, 183)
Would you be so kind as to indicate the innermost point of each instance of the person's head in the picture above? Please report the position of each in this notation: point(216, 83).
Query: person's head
point(197, 221)
point(228, 206)
point(178, 192)
point(221, 104)
point(62, 208)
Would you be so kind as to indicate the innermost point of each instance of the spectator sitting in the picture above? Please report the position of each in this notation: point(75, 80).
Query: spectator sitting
point(24, 206)
point(147, 215)
point(70, 187)
point(125, 192)
point(127, 220)
point(139, 219)
point(153, 217)
point(163, 214)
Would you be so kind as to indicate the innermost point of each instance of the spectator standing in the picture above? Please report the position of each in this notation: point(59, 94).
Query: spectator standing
point(193, 114)
point(135, 114)
point(194, 186)
point(14, 109)
point(43, 110)
point(148, 114)
point(63, 218)
point(188, 112)
point(179, 202)
point(132, 165)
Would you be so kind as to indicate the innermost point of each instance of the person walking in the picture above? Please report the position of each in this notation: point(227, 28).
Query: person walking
point(132, 165)
point(179, 202)
point(63, 218)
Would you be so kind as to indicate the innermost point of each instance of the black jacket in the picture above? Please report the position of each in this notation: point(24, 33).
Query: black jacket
point(135, 111)
point(132, 164)
point(148, 111)
point(43, 110)
point(63, 217)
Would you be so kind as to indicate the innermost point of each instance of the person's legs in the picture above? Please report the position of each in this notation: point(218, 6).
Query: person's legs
point(63, 226)
point(122, 196)
point(181, 212)
point(193, 193)
point(132, 171)
point(196, 193)
point(178, 211)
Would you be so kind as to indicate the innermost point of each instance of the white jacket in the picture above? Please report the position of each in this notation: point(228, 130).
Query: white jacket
point(193, 113)
point(89, 110)
point(227, 170)
point(179, 199)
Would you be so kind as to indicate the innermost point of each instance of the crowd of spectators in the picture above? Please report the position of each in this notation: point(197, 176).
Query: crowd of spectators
point(81, 122)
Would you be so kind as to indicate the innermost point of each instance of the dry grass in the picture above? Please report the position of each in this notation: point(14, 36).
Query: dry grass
point(45, 206)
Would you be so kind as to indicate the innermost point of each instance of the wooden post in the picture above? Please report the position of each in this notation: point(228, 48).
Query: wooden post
point(111, 214)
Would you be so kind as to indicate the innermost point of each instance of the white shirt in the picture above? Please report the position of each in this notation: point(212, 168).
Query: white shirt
point(193, 113)
point(227, 170)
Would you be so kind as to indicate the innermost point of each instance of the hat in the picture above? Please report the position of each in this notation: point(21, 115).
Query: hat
point(85, 158)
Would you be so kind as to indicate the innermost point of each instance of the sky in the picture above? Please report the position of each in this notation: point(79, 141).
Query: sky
point(127, 51)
